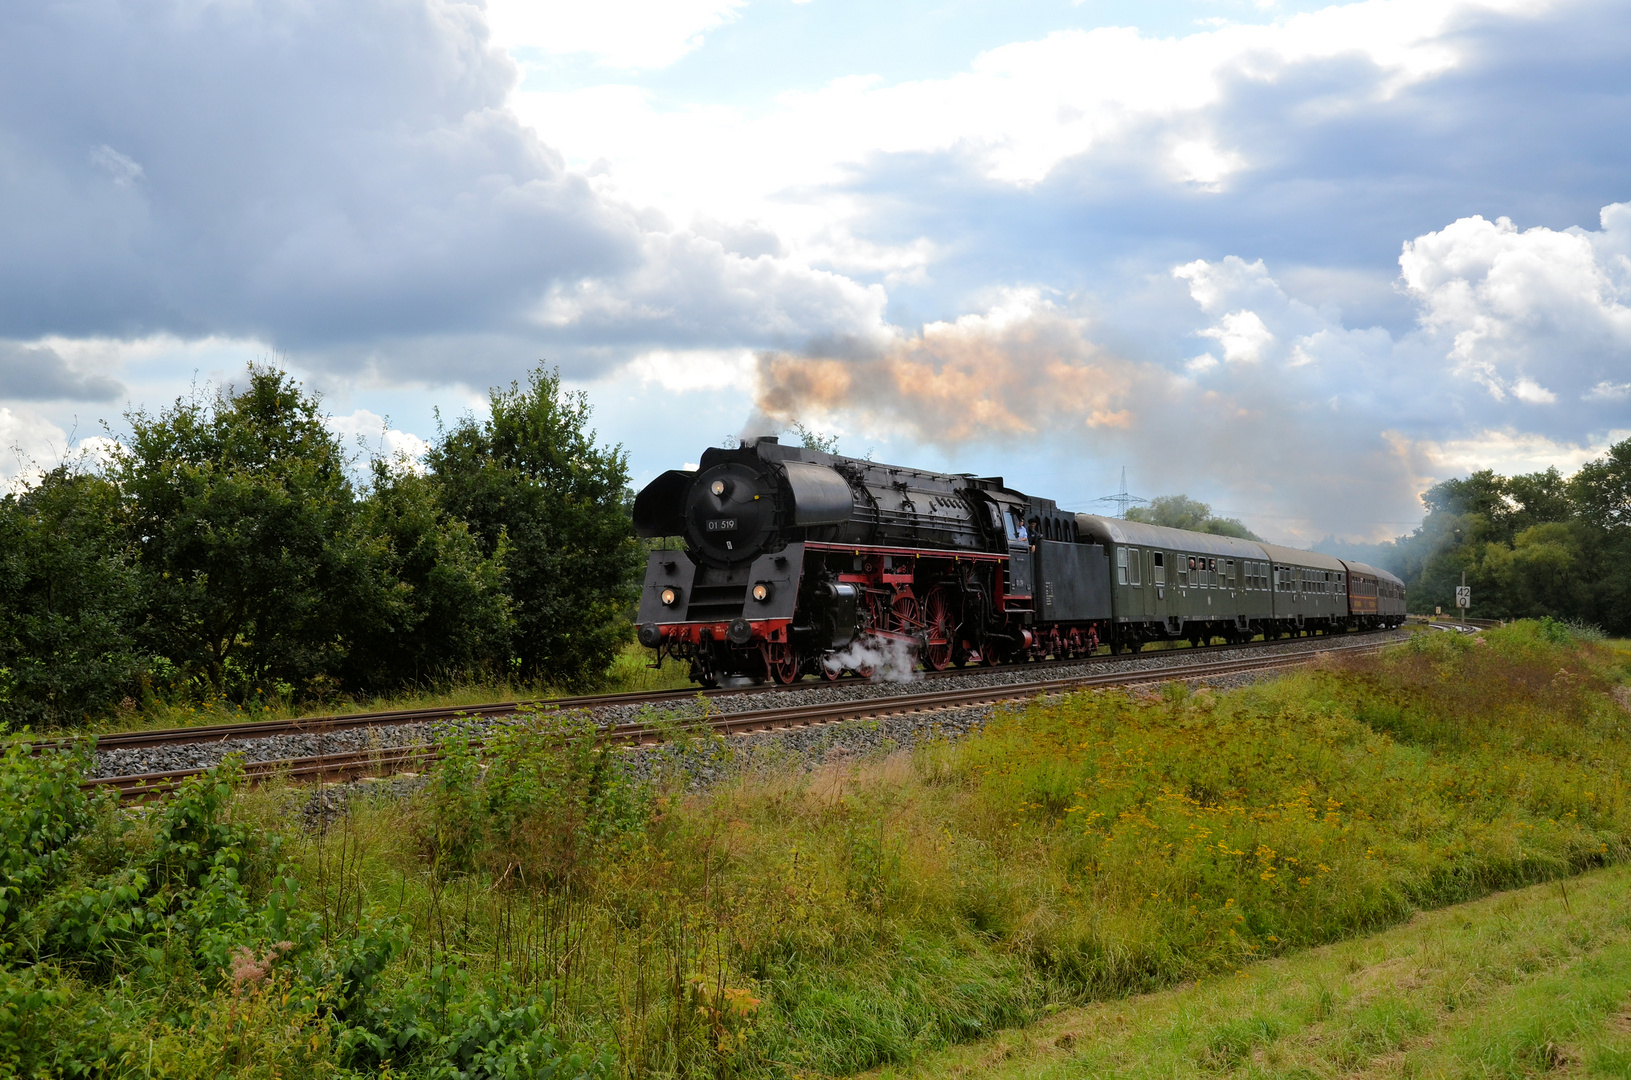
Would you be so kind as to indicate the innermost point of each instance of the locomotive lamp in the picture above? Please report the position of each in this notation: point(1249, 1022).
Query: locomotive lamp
point(669, 596)
point(719, 487)
point(761, 591)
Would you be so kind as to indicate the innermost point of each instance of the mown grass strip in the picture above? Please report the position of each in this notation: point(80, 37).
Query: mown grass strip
point(1519, 984)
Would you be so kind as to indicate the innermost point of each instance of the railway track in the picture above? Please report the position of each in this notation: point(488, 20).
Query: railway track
point(353, 765)
point(316, 725)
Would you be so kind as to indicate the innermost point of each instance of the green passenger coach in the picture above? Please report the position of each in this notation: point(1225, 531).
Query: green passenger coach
point(1169, 583)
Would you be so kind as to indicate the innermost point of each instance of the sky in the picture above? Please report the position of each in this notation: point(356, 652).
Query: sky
point(1297, 260)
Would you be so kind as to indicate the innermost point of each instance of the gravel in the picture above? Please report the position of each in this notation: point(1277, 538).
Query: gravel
point(806, 743)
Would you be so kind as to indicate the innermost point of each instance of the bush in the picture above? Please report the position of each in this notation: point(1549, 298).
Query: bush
point(540, 804)
point(532, 477)
point(69, 604)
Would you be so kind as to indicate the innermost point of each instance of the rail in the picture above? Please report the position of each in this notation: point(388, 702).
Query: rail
point(317, 725)
point(385, 761)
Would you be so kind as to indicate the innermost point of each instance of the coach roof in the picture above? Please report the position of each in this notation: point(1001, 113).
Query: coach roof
point(1121, 531)
point(1284, 556)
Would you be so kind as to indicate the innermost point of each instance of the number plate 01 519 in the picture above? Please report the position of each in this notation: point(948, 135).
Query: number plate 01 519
point(721, 524)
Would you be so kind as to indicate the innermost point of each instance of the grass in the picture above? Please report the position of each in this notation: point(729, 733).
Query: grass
point(876, 912)
point(629, 672)
point(1520, 984)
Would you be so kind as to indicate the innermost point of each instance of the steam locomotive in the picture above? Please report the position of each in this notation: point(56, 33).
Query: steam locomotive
point(798, 562)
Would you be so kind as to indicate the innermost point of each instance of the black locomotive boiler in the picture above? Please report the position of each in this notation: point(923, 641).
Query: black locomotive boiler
point(801, 562)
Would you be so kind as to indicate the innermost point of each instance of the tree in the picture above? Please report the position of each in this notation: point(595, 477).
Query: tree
point(1602, 489)
point(531, 476)
point(68, 602)
point(442, 611)
point(242, 513)
point(811, 439)
point(1529, 545)
point(1182, 512)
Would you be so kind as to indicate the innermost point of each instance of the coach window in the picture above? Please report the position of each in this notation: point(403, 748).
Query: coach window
point(1121, 566)
point(1160, 568)
point(1231, 573)
point(1132, 558)
point(1183, 570)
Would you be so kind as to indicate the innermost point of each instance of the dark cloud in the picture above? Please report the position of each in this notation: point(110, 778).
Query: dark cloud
point(307, 173)
point(38, 373)
point(323, 177)
point(342, 180)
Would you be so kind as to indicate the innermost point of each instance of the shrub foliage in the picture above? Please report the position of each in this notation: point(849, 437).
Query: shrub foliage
point(228, 554)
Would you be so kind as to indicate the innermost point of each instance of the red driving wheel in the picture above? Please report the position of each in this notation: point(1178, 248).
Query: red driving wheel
point(781, 662)
point(937, 621)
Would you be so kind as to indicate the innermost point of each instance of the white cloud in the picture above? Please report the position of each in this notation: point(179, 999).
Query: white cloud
point(1242, 335)
point(618, 33)
point(690, 289)
point(29, 445)
point(1508, 451)
point(1532, 392)
point(125, 171)
point(1515, 307)
point(698, 369)
point(1017, 112)
point(373, 435)
point(1203, 163)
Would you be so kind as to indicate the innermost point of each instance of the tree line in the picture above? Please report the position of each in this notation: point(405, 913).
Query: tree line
point(1533, 545)
point(223, 551)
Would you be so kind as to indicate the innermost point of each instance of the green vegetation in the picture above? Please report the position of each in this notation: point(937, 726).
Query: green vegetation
point(1182, 512)
point(225, 559)
point(1530, 546)
point(1520, 984)
point(537, 491)
point(538, 907)
point(629, 671)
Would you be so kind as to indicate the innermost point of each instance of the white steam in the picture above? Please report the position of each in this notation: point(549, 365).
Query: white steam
point(892, 660)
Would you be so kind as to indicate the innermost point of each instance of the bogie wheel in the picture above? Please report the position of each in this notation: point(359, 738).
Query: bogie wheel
point(937, 649)
point(829, 667)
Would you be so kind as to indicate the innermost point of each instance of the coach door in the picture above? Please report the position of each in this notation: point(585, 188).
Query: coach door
point(1155, 595)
